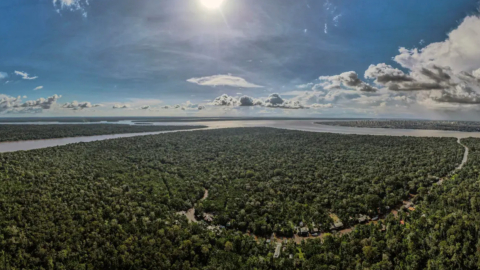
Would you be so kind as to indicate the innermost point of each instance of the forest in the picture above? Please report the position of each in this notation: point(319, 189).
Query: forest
point(112, 204)
point(466, 126)
point(10, 133)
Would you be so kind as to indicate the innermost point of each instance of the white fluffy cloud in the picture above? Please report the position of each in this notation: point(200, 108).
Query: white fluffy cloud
point(38, 88)
point(25, 76)
point(223, 80)
point(459, 51)
point(225, 100)
point(442, 72)
point(10, 104)
point(74, 105)
point(3, 75)
point(43, 103)
point(441, 75)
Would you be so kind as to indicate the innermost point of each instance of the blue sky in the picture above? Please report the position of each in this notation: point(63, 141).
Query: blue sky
point(285, 57)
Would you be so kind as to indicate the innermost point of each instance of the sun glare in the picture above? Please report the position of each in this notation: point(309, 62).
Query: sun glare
point(212, 4)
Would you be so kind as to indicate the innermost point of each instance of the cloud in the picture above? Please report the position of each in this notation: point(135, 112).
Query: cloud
point(476, 74)
point(431, 78)
point(336, 19)
point(384, 74)
point(441, 75)
point(72, 5)
point(120, 106)
point(287, 104)
point(246, 101)
point(146, 107)
point(24, 75)
point(305, 86)
point(225, 100)
point(348, 80)
point(74, 105)
point(43, 103)
point(187, 106)
point(272, 101)
point(38, 88)
point(459, 51)
point(321, 106)
point(223, 80)
point(3, 75)
point(10, 104)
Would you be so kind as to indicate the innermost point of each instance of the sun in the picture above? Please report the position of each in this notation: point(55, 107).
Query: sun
point(212, 4)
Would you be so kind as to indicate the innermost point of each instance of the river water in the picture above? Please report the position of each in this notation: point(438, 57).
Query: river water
point(302, 125)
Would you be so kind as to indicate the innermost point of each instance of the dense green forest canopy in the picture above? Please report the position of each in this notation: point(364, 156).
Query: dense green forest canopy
point(111, 204)
point(10, 133)
point(467, 126)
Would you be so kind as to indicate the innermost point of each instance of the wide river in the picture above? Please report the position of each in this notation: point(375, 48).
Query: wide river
point(303, 125)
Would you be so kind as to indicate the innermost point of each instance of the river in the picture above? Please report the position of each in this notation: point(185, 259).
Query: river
point(302, 125)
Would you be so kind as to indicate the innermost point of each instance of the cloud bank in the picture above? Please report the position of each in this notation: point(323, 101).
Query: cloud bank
point(10, 104)
point(74, 105)
point(272, 101)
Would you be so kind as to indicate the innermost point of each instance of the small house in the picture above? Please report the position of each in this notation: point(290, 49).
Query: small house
point(362, 219)
point(303, 231)
point(337, 225)
point(277, 250)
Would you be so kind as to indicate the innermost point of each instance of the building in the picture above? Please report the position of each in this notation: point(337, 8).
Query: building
point(277, 250)
point(303, 231)
point(362, 219)
point(336, 225)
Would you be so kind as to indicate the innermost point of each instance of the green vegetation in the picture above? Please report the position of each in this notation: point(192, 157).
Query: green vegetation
point(37, 132)
point(468, 126)
point(111, 204)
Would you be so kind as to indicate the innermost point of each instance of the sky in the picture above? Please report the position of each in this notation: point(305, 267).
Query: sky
point(265, 58)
